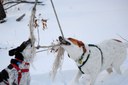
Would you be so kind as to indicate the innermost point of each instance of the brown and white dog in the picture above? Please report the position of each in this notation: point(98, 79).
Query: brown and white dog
point(92, 59)
point(17, 72)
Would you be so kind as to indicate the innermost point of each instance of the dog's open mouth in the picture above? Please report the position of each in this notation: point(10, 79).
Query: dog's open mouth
point(63, 41)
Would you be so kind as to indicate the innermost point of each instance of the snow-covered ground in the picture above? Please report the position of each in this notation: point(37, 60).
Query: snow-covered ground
point(91, 21)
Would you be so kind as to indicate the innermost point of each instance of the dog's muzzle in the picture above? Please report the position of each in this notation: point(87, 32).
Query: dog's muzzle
point(63, 41)
point(20, 48)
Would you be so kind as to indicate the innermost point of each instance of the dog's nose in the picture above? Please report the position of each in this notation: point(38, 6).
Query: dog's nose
point(60, 38)
point(63, 41)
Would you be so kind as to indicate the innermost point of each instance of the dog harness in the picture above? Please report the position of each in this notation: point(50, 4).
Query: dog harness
point(20, 71)
point(83, 63)
point(99, 50)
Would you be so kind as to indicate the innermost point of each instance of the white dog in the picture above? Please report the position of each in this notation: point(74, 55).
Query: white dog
point(17, 73)
point(92, 59)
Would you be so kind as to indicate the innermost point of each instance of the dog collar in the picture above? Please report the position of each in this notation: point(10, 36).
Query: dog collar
point(80, 61)
point(83, 63)
point(20, 61)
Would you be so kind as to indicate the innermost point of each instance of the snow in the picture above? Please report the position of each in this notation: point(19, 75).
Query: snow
point(91, 21)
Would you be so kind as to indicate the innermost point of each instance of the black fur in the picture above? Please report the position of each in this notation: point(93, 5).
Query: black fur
point(3, 75)
point(19, 49)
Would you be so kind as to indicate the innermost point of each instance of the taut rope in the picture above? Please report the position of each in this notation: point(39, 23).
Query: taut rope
point(57, 18)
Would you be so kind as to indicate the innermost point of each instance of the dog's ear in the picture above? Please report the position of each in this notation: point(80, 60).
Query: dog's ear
point(19, 49)
point(12, 52)
point(74, 41)
point(77, 42)
point(81, 44)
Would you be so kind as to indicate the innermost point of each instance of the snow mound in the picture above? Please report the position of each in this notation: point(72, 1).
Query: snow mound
point(65, 77)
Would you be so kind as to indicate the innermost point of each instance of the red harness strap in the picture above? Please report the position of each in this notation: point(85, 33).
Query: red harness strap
point(20, 71)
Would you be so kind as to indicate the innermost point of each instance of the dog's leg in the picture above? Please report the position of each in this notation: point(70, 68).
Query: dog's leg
point(109, 70)
point(76, 78)
point(93, 77)
point(28, 80)
point(116, 66)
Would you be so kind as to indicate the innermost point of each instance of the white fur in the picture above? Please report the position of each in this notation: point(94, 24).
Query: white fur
point(114, 53)
point(29, 54)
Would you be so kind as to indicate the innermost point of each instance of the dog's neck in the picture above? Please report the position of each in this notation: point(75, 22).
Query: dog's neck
point(76, 53)
point(29, 60)
point(28, 55)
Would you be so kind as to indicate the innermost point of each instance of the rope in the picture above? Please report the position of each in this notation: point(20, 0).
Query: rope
point(57, 18)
